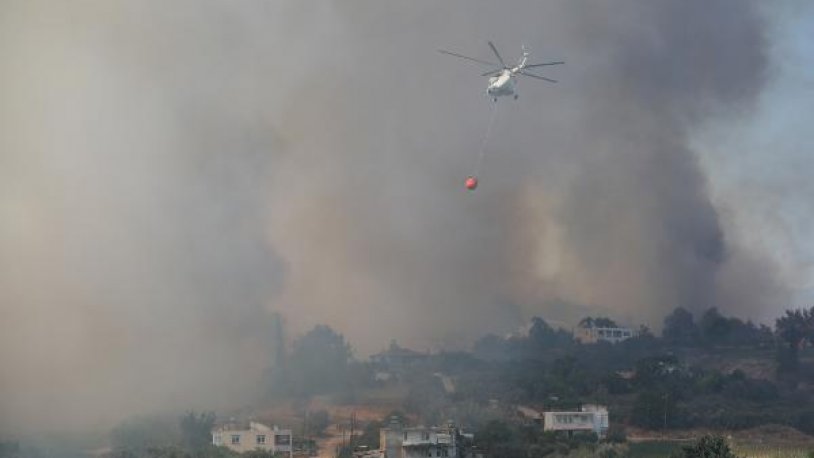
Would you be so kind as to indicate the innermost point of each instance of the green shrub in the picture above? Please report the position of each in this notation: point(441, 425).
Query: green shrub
point(707, 447)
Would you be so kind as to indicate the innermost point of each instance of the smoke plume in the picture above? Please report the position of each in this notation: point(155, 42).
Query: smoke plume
point(171, 173)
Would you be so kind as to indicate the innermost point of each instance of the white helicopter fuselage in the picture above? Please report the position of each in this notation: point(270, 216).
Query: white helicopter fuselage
point(502, 84)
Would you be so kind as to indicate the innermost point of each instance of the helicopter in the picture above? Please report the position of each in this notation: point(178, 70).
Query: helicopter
point(502, 79)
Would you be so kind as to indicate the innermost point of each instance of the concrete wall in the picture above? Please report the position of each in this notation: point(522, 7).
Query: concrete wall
point(256, 437)
point(594, 334)
point(589, 419)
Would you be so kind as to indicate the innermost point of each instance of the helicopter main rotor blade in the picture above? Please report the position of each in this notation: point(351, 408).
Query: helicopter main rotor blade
point(543, 64)
point(538, 77)
point(493, 72)
point(483, 62)
point(494, 50)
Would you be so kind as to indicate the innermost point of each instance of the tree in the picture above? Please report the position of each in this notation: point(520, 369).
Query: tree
point(795, 327)
point(319, 363)
point(539, 328)
point(748, 334)
point(679, 328)
point(541, 340)
point(568, 379)
point(661, 382)
point(714, 327)
point(707, 447)
point(598, 322)
point(542, 336)
point(604, 322)
point(196, 430)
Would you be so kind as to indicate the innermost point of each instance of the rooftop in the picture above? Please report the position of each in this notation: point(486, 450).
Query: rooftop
point(395, 350)
point(248, 426)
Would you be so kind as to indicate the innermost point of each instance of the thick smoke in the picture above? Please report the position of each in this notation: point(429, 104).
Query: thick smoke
point(171, 173)
point(590, 192)
point(638, 230)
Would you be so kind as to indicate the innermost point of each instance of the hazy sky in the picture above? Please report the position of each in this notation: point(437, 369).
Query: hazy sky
point(173, 172)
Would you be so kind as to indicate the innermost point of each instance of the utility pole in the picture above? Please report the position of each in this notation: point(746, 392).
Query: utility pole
point(305, 424)
point(352, 427)
point(341, 449)
point(665, 410)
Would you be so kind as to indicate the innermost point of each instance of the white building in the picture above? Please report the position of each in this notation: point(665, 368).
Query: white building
point(396, 357)
point(588, 331)
point(253, 437)
point(400, 442)
point(591, 418)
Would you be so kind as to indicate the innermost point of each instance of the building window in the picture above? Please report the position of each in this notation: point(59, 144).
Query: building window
point(282, 439)
point(235, 439)
point(261, 439)
point(425, 435)
point(429, 452)
point(216, 439)
point(405, 435)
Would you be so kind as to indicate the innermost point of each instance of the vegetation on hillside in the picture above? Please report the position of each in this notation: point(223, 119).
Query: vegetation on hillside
point(695, 375)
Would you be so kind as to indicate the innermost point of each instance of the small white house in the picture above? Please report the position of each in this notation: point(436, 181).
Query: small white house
point(588, 331)
point(255, 436)
point(591, 418)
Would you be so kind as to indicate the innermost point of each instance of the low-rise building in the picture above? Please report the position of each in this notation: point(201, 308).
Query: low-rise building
point(414, 442)
point(590, 418)
point(392, 364)
point(254, 436)
point(397, 358)
point(601, 330)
